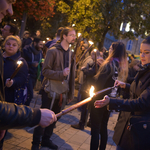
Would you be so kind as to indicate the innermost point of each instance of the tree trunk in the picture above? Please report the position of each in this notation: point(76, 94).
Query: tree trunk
point(23, 24)
point(101, 43)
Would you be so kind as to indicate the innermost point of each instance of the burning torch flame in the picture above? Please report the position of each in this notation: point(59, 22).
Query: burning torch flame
point(79, 34)
point(92, 91)
point(95, 50)
point(19, 62)
point(91, 42)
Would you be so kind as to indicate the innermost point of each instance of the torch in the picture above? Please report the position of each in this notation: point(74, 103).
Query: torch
point(87, 100)
point(20, 64)
point(95, 51)
point(91, 44)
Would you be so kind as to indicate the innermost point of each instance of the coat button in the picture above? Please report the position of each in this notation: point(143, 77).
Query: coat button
point(145, 126)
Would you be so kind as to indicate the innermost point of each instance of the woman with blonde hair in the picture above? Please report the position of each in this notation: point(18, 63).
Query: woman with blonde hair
point(11, 55)
point(115, 66)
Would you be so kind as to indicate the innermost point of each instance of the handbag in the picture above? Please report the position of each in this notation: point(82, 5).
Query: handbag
point(59, 87)
point(139, 127)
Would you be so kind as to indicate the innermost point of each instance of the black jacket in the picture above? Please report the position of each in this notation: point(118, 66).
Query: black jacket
point(30, 54)
point(137, 105)
point(14, 116)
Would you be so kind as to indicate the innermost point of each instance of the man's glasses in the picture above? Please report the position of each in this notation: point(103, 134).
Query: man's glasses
point(72, 35)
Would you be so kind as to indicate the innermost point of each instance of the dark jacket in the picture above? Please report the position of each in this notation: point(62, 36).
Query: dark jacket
point(54, 65)
point(30, 54)
point(131, 75)
point(2, 95)
point(10, 64)
point(137, 105)
point(13, 116)
point(25, 42)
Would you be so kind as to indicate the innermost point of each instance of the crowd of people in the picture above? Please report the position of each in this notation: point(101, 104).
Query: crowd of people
point(55, 63)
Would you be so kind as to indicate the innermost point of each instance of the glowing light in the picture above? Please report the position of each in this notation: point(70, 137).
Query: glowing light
point(79, 34)
point(91, 42)
point(95, 50)
point(92, 91)
point(19, 62)
point(127, 29)
point(43, 41)
point(73, 25)
point(47, 38)
point(14, 19)
point(121, 26)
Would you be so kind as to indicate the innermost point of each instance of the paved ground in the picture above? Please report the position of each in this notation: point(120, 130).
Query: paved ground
point(64, 135)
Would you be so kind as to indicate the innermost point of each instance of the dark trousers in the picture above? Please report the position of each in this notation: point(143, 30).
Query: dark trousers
point(84, 110)
point(99, 119)
point(30, 87)
point(47, 132)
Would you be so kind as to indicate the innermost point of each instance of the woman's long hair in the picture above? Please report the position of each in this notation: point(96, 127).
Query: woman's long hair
point(119, 54)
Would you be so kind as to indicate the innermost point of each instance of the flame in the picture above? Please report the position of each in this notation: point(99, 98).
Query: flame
point(91, 42)
point(95, 50)
point(79, 34)
point(19, 62)
point(92, 91)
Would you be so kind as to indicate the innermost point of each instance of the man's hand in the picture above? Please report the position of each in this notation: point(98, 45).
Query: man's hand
point(2, 133)
point(66, 71)
point(47, 117)
point(120, 83)
point(102, 103)
point(9, 83)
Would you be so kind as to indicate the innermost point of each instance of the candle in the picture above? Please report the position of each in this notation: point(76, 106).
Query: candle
point(20, 64)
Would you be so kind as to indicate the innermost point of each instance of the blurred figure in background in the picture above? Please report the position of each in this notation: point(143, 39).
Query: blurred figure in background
point(38, 34)
point(134, 67)
point(8, 29)
point(88, 70)
point(32, 54)
point(26, 39)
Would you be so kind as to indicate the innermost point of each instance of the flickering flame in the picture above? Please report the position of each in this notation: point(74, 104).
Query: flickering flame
point(19, 62)
point(95, 50)
point(79, 34)
point(47, 38)
point(91, 42)
point(73, 25)
point(92, 91)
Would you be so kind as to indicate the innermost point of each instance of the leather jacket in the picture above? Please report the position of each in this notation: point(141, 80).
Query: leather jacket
point(18, 116)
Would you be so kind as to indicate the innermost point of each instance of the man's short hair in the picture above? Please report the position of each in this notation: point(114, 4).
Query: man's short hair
point(65, 31)
point(59, 31)
point(37, 39)
point(13, 29)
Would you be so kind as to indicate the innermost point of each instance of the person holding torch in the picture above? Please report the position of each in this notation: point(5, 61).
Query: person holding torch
point(12, 115)
point(132, 131)
point(115, 66)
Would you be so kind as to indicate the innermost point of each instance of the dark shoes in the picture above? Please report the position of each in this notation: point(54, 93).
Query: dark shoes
point(78, 126)
point(49, 144)
point(35, 147)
